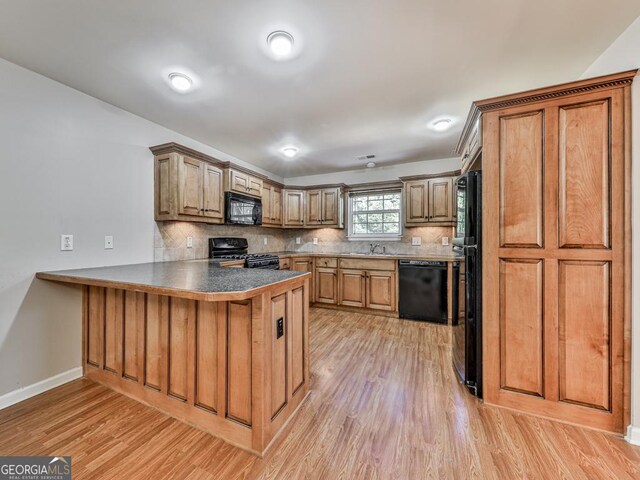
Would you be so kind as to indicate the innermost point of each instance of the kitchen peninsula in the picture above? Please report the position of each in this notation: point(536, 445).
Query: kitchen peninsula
point(224, 349)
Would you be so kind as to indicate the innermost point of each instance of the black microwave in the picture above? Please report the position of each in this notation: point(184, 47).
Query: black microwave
point(242, 209)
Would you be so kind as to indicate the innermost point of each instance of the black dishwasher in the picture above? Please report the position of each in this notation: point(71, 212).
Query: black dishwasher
point(422, 290)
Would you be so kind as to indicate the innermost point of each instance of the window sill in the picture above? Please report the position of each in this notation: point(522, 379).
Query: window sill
point(373, 238)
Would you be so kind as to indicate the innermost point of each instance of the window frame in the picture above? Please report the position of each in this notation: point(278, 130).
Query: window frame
point(386, 237)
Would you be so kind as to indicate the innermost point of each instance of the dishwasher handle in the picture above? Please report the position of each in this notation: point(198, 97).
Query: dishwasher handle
point(422, 263)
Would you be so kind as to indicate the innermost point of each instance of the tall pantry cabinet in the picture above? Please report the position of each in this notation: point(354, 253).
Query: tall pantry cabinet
point(556, 250)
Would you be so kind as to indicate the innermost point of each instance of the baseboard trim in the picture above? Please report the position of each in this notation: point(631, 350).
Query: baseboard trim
point(37, 388)
point(633, 435)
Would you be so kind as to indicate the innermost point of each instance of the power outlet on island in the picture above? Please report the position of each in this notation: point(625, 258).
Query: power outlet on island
point(416, 241)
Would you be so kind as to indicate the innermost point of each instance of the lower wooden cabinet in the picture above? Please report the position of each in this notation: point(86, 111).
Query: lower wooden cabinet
point(353, 288)
point(304, 264)
point(381, 290)
point(326, 284)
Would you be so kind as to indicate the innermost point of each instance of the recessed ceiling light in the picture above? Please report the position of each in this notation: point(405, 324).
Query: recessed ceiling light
point(180, 82)
point(280, 43)
point(371, 164)
point(441, 125)
point(289, 151)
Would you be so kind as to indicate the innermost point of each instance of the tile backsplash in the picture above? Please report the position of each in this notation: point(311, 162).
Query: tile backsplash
point(170, 242)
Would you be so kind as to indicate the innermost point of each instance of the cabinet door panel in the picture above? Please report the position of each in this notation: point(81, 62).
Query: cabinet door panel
point(297, 339)
point(381, 290)
point(416, 194)
point(293, 208)
point(330, 206)
point(314, 207)
point(213, 194)
point(163, 186)
point(181, 328)
point(206, 391)
point(278, 354)
point(440, 208)
point(239, 362)
point(266, 204)
point(352, 288)
point(190, 188)
point(276, 206)
point(521, 180)
point(521, 326)
point(326, 283)
point(585, 333)
point(585, 188)
point(114, 317)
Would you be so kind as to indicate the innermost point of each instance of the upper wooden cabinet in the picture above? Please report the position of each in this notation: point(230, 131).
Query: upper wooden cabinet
point(324, 207)
point(293, 207)
point(187, 188)
point(239, 181)
point(271, 205)
point(430, 201)
point(556, 171)
point(470, 143)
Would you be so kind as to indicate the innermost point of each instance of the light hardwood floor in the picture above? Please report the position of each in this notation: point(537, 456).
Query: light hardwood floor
point(384, 404)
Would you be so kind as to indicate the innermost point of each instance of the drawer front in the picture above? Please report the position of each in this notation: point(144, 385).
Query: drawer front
point(285, 263)
point(368, 264)
point(327, 262)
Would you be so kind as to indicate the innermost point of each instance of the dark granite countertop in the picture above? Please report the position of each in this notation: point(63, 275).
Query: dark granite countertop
point(196, 279)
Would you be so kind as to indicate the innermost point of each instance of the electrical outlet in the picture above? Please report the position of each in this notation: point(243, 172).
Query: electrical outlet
point(66, 242)
point(108, 242)
point(189, 242)
point(416, 241)
point(445, 240)
point(265, 240)
point(315, 241)
point(298, 240)
point(279, 327)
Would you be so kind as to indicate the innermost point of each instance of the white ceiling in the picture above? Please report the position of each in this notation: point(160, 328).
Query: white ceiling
point(367, 78)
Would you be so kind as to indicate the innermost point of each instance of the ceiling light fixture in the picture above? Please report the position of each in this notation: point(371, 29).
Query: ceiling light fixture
point(180, 82)
point(441, 125)
point(280, 43)
point(289, 151)
point(371, 164)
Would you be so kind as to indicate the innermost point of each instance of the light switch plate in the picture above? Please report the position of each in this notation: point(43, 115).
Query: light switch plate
point(108, 242)
point(298, 240)
point(315, 241)
point(445, 240)
point(189, 242)
point(416, 241)
point(66, 242)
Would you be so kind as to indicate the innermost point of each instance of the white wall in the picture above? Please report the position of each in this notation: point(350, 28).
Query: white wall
point(379, 174)
point(624, 54)
point(69, 163)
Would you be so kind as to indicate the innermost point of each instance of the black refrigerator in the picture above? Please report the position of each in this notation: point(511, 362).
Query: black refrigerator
point(467, 319)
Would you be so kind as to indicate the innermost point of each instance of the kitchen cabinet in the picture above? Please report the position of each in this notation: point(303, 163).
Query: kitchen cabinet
point(293, 210)
point(304, 264)
point(368, 283)
point(352, 288)
point(243, 182)
point(556, 256)
point(430, 201)
point(271, 205)
point(326, 284)
point(323, 207)
point(381, 290)
point(187, 189)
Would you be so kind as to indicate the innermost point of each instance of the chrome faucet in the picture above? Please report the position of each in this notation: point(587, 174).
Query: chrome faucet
point(372, 248)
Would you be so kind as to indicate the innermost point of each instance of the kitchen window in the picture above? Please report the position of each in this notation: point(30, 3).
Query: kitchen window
point(375, 215)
